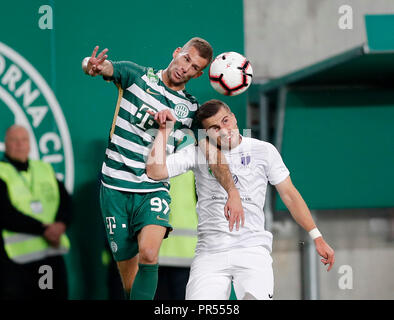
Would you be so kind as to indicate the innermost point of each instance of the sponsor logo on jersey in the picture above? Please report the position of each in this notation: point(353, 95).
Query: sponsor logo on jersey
point(27, 100)
point(245, 160)
point(181, 110)
point(110, 224)
point(114, 246)
point(160, 218)
point(152, 92)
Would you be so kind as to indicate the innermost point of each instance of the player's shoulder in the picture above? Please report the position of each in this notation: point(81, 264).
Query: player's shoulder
point(257, 144)
point(261, 150)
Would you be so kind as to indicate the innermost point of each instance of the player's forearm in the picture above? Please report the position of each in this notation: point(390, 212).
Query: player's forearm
point(218, 165)
point(223, 175)
point(298, 209)
point(156, 167)
point(233, 208)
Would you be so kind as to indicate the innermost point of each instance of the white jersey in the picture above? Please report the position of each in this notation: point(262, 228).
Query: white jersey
point(252, 163)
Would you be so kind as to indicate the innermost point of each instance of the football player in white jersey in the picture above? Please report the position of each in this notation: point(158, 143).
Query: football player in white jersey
point(242, 255)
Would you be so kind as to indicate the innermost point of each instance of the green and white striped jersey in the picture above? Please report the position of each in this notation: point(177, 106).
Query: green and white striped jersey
point(133, 129)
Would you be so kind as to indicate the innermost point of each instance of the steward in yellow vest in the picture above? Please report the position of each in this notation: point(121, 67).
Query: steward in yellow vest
point(34, 214)
point(34, 193)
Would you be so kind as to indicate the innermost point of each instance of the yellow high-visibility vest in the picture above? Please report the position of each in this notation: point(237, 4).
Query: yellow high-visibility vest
point(178, 248)
point(34, 193)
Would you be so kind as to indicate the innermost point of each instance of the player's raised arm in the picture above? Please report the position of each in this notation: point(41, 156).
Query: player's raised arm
point(156, 168)
point(94, 66)
point(159, 166)
point(301, 214)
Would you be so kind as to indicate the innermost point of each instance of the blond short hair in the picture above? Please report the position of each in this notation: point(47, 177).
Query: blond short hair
point(203, 47)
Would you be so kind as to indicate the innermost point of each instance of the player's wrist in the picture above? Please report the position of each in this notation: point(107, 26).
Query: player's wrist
point(233, 191)
point(85, 62)
point(315, 233)
point(166, 129)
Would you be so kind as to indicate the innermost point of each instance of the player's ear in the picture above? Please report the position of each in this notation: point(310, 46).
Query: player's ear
point(176, 52)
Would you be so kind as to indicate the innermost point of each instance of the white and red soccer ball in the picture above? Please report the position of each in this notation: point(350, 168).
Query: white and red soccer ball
point(230, 73)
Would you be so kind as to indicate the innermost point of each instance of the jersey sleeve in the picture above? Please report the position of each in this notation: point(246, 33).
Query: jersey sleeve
point(181, 161)
point(125, 72)
point(277, 170)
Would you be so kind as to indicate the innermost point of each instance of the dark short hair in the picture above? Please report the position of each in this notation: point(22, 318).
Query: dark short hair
point(209, 109)
point(203, 47)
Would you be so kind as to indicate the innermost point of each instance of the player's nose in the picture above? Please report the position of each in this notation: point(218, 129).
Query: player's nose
point(186, 67)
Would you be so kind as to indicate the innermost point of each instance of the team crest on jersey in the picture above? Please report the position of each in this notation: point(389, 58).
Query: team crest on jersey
point(152, 76)
point(245, 160)
point(27, 100)
point(114, 246)
point(181, 110)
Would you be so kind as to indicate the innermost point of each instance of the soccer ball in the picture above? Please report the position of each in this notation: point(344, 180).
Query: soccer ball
point(230, 73)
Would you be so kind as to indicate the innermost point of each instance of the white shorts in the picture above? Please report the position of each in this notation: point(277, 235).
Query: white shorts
point(250, 270)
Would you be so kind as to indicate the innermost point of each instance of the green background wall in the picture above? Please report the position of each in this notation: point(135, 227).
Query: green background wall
point(338, 145)
point(143, 32)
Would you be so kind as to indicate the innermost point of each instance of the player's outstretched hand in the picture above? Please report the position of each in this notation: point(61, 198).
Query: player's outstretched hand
point(325, 251)
point(233, 210)
point(95, 64)
point(164, 118)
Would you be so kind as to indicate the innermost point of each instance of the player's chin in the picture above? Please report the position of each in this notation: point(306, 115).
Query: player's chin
point(179, 81)
point(175, 76)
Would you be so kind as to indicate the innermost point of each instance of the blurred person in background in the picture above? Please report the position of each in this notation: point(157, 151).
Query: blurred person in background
point(35, 210)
